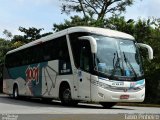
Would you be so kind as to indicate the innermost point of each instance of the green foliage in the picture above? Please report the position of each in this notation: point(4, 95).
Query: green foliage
point(31, 34)
point(5, 46)
point(78, 21)
point(120, 24)
point(96, 8)
point(20, 38)
point(7, 33)
point(17, 44)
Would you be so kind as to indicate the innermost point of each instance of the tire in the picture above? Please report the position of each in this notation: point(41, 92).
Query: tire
point(65, 97)
point(108, 105)
point(15, 92)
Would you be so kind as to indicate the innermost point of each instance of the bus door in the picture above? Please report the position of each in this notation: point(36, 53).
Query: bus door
point(84, 75)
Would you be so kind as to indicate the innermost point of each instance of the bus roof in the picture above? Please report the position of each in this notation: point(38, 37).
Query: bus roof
point(95, 30)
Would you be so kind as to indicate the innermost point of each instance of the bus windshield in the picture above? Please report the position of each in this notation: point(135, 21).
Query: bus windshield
point(118, 57)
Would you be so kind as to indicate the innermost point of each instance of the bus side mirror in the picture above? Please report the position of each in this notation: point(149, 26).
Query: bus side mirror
point(150, 50)
point(92, 41)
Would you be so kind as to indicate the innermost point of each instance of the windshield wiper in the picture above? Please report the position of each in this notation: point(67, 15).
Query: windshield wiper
point(116, 64)
point(127, 61)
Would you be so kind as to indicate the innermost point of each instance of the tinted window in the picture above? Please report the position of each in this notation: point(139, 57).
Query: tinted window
point(85, 55)
point(51, 50)
point(81, 51)
point(75, 45)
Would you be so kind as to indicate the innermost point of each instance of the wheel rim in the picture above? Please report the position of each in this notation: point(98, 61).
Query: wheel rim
point(15, 93)
point(67, 95)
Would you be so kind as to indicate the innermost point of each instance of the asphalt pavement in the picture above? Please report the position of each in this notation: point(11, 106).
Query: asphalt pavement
point(35, 109)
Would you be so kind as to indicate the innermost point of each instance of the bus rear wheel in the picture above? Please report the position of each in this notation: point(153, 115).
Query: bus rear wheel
point(15, 92)
point(65, 97)
point(108, 104)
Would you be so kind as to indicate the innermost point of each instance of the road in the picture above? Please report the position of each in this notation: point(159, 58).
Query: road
point(37, 107)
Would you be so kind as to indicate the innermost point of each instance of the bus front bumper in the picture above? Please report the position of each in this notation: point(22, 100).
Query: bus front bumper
point(104, 95)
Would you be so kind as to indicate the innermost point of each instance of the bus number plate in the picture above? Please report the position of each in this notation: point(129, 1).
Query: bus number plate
point(124, 96)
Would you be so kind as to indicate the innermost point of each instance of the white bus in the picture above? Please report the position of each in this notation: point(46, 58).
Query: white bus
point(78, 64)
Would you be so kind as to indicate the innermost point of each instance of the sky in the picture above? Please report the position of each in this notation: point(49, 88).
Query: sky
point(44, 13)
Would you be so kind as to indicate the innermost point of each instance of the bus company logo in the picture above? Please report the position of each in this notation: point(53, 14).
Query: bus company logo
point(125, 90)
point(32, 74)
point(132, 84)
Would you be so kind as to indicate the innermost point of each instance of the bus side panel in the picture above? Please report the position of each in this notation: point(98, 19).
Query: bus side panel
point(7, 82)
point(28, 78)
point(49, 78)
point(39, 80)
point(56, 72)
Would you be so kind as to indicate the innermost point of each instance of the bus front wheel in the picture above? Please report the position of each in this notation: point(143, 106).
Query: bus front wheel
point(108, 104)
point(65, 97)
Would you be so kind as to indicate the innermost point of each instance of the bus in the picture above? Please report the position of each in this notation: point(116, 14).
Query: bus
point(78, 64)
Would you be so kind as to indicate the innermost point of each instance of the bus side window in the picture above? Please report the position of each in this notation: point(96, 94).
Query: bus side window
point(63, 57)
point(85, 56)
point(63, 50)
point(56, 49)
point(50, 50)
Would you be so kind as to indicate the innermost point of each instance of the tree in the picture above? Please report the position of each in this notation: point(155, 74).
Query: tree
point(17, 41)
point(119, 23)
point(31, 33)
point(5, 46)
point(17, 44)
point(7, 33)
point(17, 38)
point(78, 21)
point(151, 35)
point(96, 8)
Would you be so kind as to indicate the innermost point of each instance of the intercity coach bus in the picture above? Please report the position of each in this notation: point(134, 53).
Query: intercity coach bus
point(78, 64)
